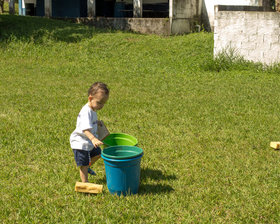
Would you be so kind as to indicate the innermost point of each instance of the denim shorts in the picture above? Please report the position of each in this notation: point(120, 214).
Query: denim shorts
point(83, 157)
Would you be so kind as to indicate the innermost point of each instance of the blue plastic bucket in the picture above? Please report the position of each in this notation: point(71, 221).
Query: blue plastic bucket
point(122, 175)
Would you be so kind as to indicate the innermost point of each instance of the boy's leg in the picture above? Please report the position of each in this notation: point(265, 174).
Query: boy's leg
point(95, 154)
point(82, 160)
point(84, 173)
point(94, 159)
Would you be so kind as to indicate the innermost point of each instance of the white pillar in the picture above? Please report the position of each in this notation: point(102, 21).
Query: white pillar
point(48, 8)
point(170, 9)
point(137, 8)
point(91, 8)
point(23, 7)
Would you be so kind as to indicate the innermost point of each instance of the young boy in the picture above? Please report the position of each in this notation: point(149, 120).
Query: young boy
point(84, 140)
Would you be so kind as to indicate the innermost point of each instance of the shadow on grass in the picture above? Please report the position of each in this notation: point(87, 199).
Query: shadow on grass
point(153, 174)
point(148, 173)
point(40, 30)
point(158, 188)
point(154, 189)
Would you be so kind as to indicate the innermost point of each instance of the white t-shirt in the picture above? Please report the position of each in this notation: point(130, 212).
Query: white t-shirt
point(87, 120)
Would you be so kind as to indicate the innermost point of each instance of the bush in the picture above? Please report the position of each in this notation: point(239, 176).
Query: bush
point(229, 59)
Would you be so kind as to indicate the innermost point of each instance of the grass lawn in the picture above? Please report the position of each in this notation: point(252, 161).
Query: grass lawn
point(205, 130)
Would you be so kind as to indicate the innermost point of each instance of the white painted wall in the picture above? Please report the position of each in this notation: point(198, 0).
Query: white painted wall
point(209, 5)
point(253, 35)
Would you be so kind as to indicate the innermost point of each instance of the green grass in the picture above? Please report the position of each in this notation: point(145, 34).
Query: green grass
point(205, 128)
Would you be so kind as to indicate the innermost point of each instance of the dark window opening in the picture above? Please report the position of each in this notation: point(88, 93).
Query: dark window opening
point(105, 8)
point(111, 8)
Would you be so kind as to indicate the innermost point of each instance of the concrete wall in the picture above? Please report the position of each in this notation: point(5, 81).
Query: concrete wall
point(208, 8)
point(184, 14)
point(29, 1)
point(253, 35)
point(186, 8)
point(160, 26)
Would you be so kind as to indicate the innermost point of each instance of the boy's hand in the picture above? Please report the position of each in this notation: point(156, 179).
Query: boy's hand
point(96, 142)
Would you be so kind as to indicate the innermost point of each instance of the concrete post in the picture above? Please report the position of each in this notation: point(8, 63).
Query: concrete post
point(138, 8)
point(277, 5)
point(266, 5)
point(48, 8)
point(12, 7)
point(91, 8)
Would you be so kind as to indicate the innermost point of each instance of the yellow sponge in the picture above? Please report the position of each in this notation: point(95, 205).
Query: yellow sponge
point(88, 188)
point(275, 145)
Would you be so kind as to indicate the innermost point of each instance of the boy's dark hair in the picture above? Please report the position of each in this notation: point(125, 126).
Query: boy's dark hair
point(95, 87)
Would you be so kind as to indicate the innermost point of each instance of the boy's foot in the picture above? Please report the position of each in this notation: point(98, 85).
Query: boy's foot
point(91, 172)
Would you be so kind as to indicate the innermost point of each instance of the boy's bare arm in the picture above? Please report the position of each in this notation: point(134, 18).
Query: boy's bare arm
point(93, 139)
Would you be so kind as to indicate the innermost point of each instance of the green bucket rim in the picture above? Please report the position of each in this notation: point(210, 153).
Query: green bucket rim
point(130, 138)
point(137, 151)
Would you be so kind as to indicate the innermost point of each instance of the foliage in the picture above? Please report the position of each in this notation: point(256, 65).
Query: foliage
point(229, 60)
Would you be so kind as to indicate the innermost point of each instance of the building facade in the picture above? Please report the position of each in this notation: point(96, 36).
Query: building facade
point(172, 16)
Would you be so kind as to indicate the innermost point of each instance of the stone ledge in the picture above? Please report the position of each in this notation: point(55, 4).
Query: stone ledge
point(240, 8)
point(160, 26)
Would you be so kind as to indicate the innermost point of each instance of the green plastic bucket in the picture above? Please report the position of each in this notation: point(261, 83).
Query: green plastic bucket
point(115, 139)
